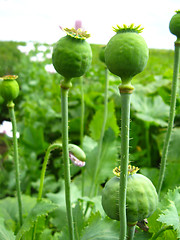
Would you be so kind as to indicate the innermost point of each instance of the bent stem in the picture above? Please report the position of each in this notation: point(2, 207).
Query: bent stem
point(102, 133)
point(16, 159)
point(125, 122)
point(43, 172)
point(171, 116)
point(64, 108)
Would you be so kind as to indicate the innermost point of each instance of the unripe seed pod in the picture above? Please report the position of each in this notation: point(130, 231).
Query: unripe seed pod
point(174, 25)
point(9, 88)
point(126, 53)
point(72, 55)
point(141, 198)
point(77, 155)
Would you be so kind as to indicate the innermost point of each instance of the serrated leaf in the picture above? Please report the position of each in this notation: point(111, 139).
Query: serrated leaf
point(97, 121)
point(41, 208)
point(4, 233)
point(101, 229)
point(170, 217)
point(171, 210)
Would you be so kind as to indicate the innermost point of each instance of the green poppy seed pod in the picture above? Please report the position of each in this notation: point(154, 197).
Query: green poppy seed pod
point(174, 25)
point(9, 88)
point(141, 197)
point(101, 54)
point(126, 53)
point(72, 55)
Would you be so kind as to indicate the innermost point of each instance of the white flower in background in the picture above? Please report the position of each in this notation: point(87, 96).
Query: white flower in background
point(26, 49)
point(6, 128)
point(42, 48)
point(38, 58)
point(50, 68)
point(49, 55)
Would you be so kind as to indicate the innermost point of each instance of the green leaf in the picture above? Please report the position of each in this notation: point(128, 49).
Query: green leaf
point(174, 152)
point(4, 233)
point(172, 176)
point(108, 161)
point(59, 216)
point(78, 219)
point(41, 208)
point(150, 109)
point(34, 139)
point(9, 209)
point(142, 235)
point(170, 215)
point(101, 229)
point(97, 121)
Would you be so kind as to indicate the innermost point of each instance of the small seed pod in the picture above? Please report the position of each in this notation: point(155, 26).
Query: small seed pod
point(77, 155)
point(72, 55)
point(126, 53)
point(174, 25)
point(9, 88)
point(141, 198)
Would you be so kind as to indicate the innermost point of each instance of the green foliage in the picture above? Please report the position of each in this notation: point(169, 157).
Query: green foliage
point(38, 113)
point(10, 57)
point(4, 233)
point(170, 215)
point(101, 228)
point(96, 123)
point(41, 208)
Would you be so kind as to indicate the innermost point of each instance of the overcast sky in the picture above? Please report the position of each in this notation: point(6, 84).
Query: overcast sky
point(39, 20)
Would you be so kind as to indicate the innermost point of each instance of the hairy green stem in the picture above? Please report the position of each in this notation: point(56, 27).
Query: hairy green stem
point(16, 159)
point(44, 166)
point(82, 129)
point(130, 232)
point(156, 235)
point(43, 172)
point(125, 122)
point(171, 116)
point(64, 109)
point(96, 168)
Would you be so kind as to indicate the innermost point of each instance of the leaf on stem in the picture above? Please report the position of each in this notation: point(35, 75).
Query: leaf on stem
point(171, 213)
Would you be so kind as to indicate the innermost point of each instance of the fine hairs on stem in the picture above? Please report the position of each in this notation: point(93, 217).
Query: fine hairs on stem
point(125, 122)
point(67, 176)
point(16, 159)
point(171, 116)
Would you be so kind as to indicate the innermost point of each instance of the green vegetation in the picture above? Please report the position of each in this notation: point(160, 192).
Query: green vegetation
point(39, 122)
